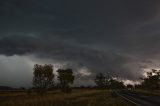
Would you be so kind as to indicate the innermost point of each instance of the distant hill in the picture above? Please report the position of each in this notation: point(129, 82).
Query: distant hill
point(6, 88)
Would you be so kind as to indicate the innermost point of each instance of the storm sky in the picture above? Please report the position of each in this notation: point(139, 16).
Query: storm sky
point(118, 37)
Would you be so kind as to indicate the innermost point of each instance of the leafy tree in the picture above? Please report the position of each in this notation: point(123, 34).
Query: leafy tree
point(43, 77)
point(152, 81)
point(129, 86)
point(65, 77)
point(137, 86)
point(115, 84)
point(102, 81)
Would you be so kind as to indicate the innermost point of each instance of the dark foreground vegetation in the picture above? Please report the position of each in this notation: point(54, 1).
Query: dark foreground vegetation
point(43, 80)
point(47, 92)
point(151, 82)
point(81, 97)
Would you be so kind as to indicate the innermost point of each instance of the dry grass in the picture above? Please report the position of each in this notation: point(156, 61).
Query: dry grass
point(148, 92)
point(56, 98)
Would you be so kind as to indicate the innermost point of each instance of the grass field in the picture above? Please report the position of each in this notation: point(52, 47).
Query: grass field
point(56, 98)
point(147, 92)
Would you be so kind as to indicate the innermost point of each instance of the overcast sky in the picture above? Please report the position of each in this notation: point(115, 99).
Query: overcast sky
point(118, 37)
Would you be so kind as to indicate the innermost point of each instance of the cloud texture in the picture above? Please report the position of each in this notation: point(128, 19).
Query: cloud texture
point(118, 37)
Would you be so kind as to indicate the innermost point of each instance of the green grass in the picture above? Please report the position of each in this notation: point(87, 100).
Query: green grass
point(56, 98)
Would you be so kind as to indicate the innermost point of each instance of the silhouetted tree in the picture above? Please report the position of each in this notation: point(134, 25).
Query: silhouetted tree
point(100, 81)
point(43, 77)
point(152, 81)
point(137, 86)
point(129, 86)
point(22, 88)
point(115, 84)
point(65, 77)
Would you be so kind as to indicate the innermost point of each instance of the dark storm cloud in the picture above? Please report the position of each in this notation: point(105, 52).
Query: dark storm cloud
point(85, 15)
point(111, 36)
point(74, 54)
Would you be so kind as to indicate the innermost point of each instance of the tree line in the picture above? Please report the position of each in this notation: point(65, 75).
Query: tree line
point(43, 80)
point(105, 82)
point(151, 81)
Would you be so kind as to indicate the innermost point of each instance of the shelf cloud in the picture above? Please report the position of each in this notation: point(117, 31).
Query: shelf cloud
point(118, 37)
